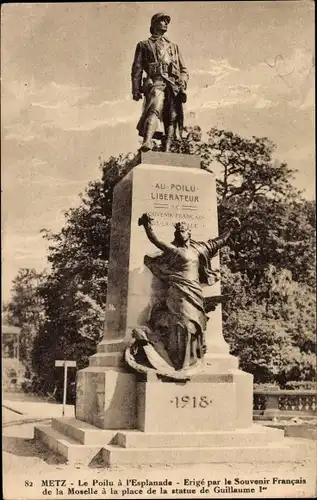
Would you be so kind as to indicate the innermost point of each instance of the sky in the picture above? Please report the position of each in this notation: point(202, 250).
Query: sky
point(66, 96)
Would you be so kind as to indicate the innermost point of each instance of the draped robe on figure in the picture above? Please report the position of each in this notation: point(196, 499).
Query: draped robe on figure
point(181, 314)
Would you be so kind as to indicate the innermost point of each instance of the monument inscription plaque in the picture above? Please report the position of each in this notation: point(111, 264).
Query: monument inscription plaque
point(206, 406)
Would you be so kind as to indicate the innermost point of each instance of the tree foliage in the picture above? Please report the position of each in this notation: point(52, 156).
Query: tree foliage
point(26, 310)
point(271, 327)
point(278, 225)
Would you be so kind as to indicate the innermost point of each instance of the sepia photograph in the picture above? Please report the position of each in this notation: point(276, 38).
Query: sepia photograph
point(158, 250)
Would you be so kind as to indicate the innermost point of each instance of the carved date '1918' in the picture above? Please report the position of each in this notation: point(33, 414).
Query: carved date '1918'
point(191, 401)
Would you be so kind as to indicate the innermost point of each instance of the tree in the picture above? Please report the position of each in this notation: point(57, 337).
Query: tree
point(74, 293)
point(25, 310)
point(272, 327)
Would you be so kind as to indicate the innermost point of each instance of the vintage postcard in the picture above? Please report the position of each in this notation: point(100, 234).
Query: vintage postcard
point(158, 250)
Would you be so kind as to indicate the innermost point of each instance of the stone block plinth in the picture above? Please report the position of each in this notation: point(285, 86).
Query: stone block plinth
point(106, 398)
point(208, 404)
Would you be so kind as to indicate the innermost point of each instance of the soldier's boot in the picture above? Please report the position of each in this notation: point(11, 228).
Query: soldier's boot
point(149, 132)
point(169, 137)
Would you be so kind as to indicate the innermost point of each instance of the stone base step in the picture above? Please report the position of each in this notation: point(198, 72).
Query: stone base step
point(107, 359)
point(79, 442)
point(256, 435)
point(88, 434)
point(83, 432)
point(115, 345)
point(71, 450)
point(114, 455)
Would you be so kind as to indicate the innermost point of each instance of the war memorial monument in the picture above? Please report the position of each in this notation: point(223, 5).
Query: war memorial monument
point(163, 387)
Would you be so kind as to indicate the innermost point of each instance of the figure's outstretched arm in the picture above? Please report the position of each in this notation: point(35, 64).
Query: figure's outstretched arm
point(146, 221)
point(219, 242)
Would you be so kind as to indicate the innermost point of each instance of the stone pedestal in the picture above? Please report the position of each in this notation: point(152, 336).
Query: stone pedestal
point(207, 403)
point(172, 188)
point(134, 417)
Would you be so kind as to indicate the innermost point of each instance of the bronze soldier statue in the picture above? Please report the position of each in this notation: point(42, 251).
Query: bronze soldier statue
point(163, 86)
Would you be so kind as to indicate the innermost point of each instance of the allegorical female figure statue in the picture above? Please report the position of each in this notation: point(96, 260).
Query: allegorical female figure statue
point(163, 87)
point(177, 323)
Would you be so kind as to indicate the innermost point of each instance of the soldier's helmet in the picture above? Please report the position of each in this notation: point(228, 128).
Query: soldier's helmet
point(158, 16)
